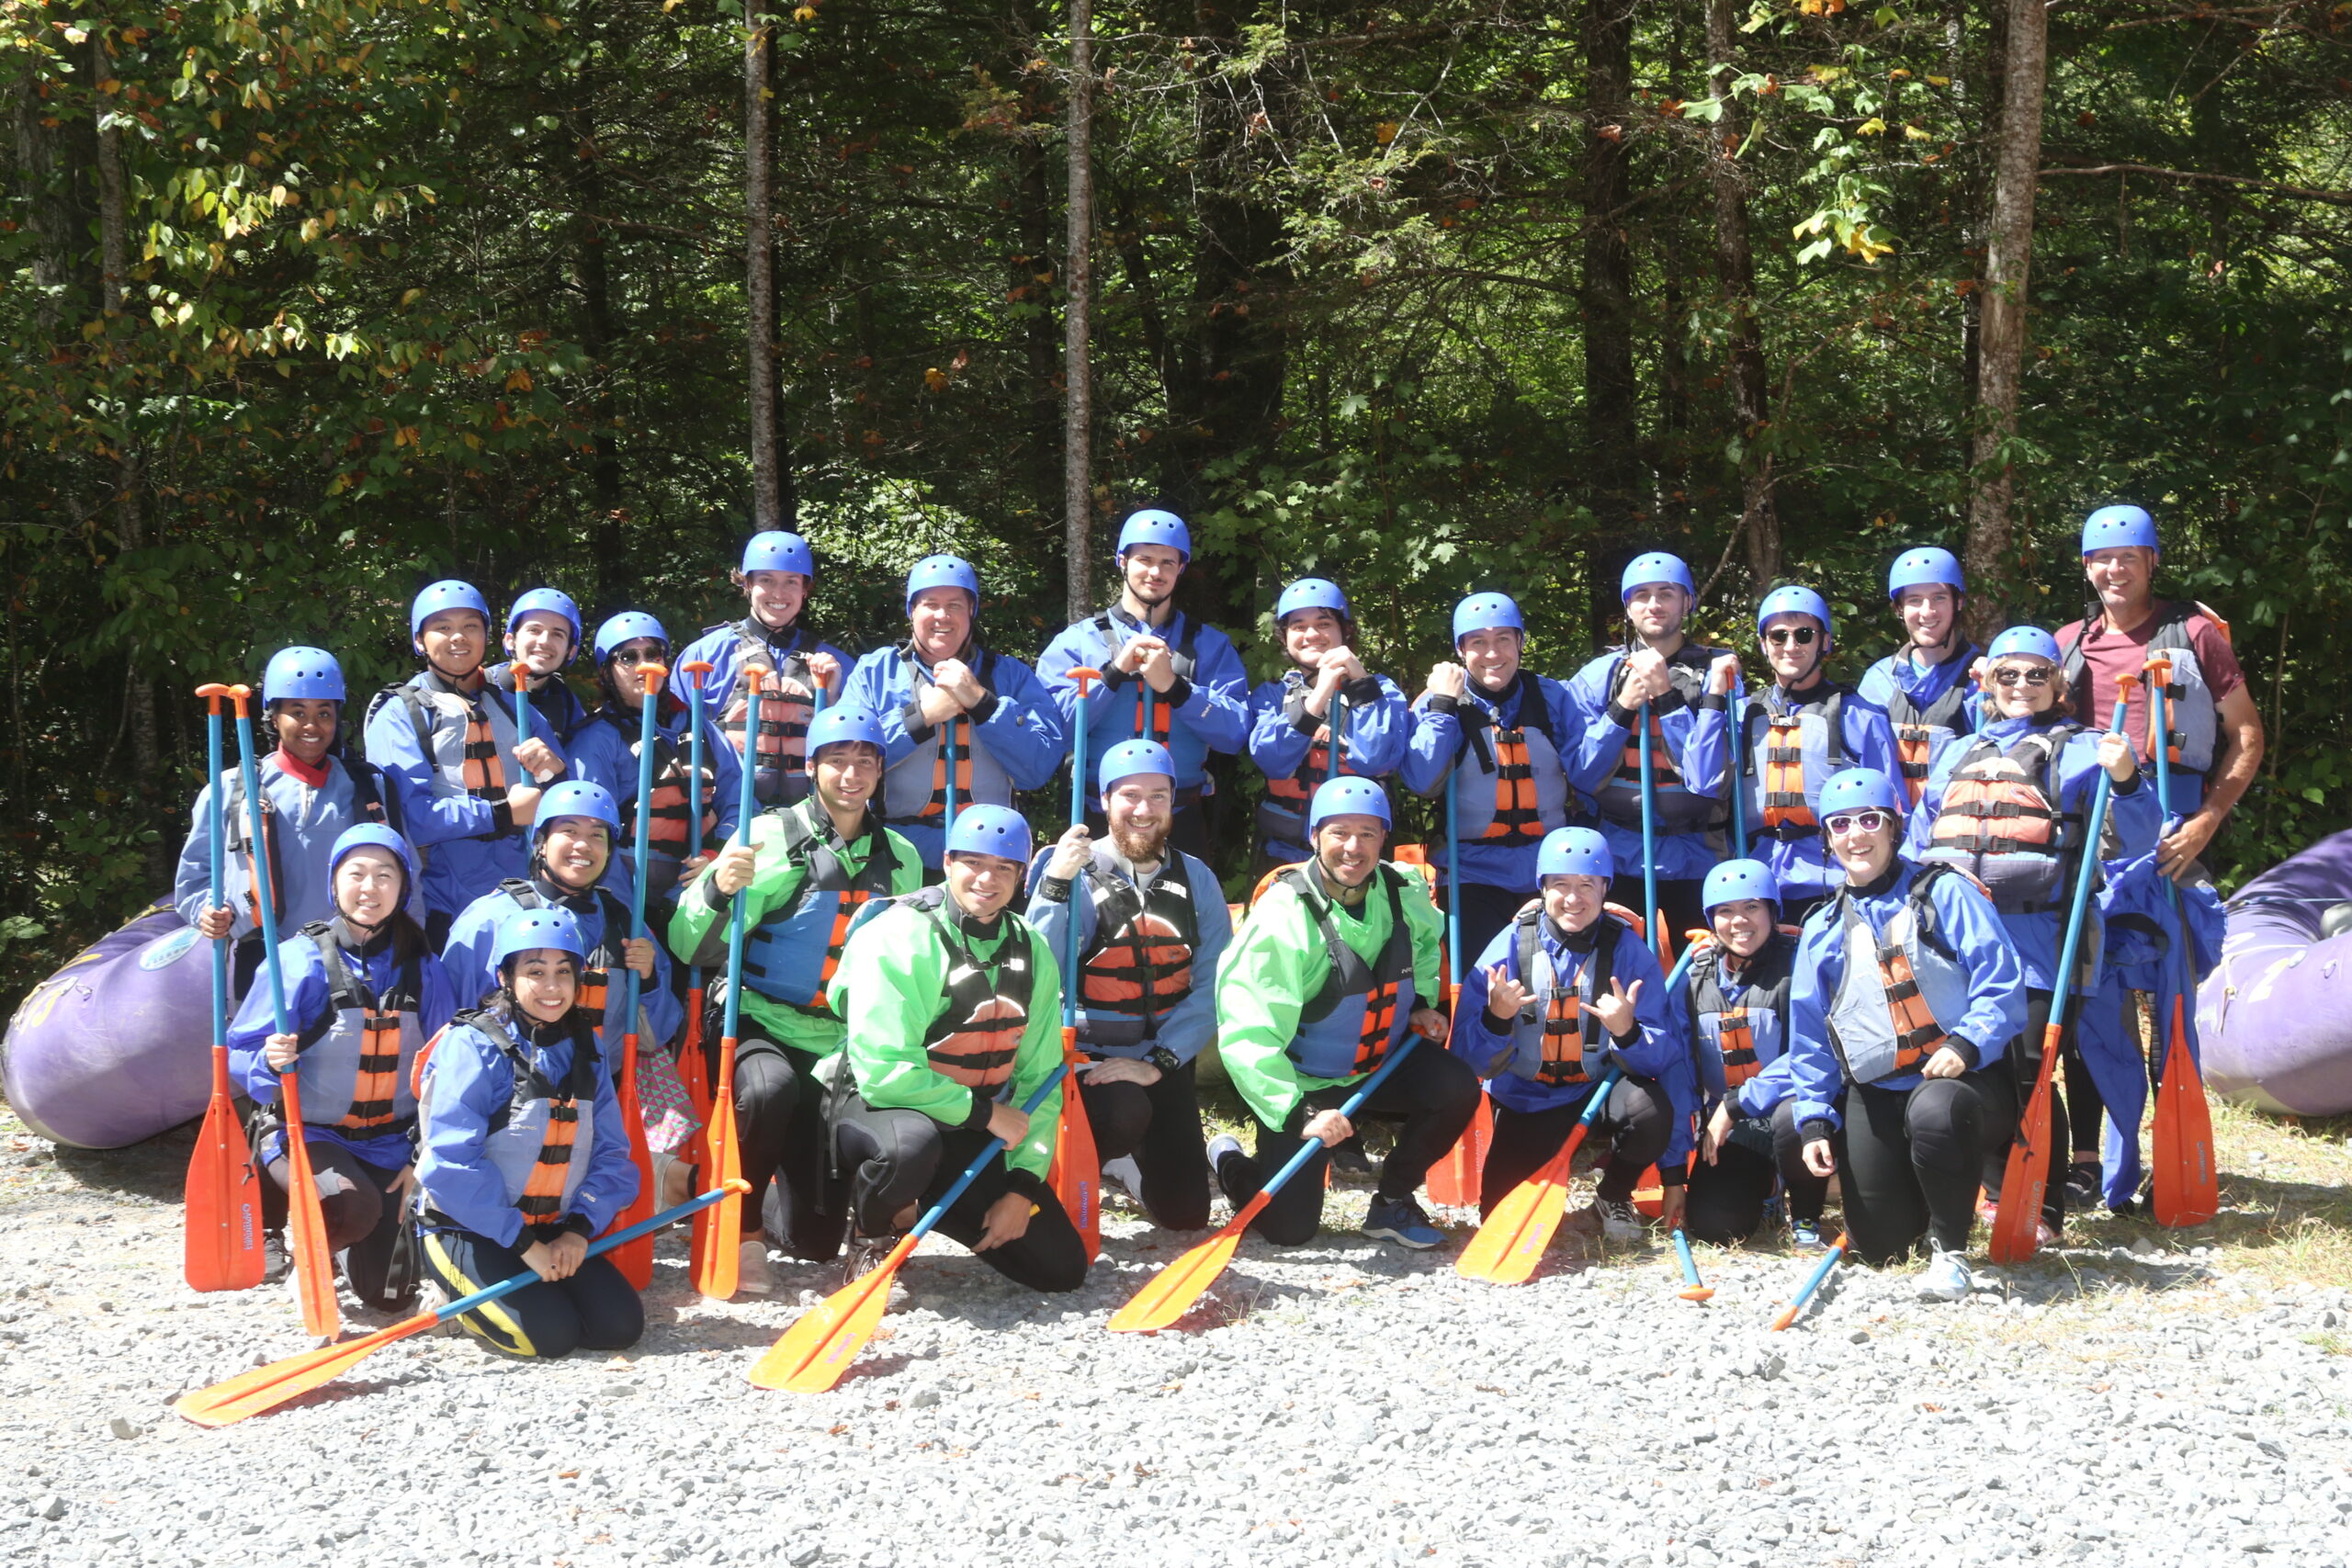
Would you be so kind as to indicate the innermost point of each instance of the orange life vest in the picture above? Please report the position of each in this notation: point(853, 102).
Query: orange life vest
point(976, 1036)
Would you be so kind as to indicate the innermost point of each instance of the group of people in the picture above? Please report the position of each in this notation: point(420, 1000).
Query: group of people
point(1867, 883)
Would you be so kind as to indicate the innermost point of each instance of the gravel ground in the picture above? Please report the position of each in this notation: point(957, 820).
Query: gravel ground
point(1343, 1402)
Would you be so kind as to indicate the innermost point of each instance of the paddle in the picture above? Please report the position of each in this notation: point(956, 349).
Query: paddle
point(820, 1345)
point(306, 1227)
point(1692, 1289)
point(265, 1388)
point(1169, 1294)
point(1735, 769)
point(221, 1249)
point(1077, 1173)
point(1653, 925)
point(636, 1261)
point(719, 1232)
point(2017, 1225)
point(693, 1072)
point(1811, 1284)
point(2186, 1187)
point(1454, 1180)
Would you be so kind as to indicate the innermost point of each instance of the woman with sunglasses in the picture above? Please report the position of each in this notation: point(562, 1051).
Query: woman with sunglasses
point(1908, 993)
point(2008, 807)
point(1802, 729)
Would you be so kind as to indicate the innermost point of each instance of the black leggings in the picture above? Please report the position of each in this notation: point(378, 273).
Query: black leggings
point(596, 1309)
point(1638, 1121)
point(1679, 897)
point(1909, 1160)
point(1160, 1126)
point(361, 1217)
point(780, 1132)
point(1486, 909)
point(2025, 1059)
point(1725, 1202)
point(905, 1159)
point(1433, 1089)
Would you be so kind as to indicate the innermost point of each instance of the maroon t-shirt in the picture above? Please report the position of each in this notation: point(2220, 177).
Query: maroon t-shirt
point(2107, 655)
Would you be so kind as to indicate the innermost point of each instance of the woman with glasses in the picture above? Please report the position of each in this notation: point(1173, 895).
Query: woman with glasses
point(2008, 807)
point(1907, 994)
point(1802, 729)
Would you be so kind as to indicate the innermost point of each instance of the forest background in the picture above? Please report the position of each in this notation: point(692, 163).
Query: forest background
point(308, 302)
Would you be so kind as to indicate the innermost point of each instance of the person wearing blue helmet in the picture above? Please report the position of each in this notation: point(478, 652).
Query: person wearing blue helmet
point(771, 660)
point(523, 1154)
point(1326, 690)
point(1908, 992)
point(1688, 689)
point(1798, 732)
point(2211, 722)
point(810, 870)
point(1566, 992)
point(543, 634)
point(1501, 739)
point(951, 1007)
point(941, 694)
point(1736, 998)
point(468, 797)
point(605, 752)
point(1926, 687)
point(2010, 806)
point(312, 788)
point(1152, 927)
point(364, 992)
point(1339, 957)
point(1166, 675)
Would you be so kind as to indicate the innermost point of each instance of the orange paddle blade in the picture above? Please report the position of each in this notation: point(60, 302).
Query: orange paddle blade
point(634, 1260)
point(2187, 1188)
point(221, 1250)
point(265, 1388)
point(1507, 1247)
point(1169, 1294)
point(1077, 1173)
point(1454, 1180)
point(2016, 1224)
point(306, 1227)
point(819, 1348)
point(719, 1230)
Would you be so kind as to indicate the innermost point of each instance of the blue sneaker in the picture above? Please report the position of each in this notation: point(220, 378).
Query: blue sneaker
point(1400, 1219)
point(1805, 1235)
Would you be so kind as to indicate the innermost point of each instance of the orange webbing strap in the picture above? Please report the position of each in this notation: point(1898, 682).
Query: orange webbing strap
point(542, 1197)
point(937, 805)
point(1784, 798)
point(379, 1077)
point(1736, 1040)
point(1379, 1022)
point(1916, 1035)
point(1517, 819)
point(483, 773)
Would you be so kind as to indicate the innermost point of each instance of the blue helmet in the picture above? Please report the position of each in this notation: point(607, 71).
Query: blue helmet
point(1858, 789)
point(446, 595)
point(942, 571)
point(576, 797)
point(773, 550)
point(1129, 757)
point(1348, 796)
point(546, 601)
point(1575, 852)
point(2112, 527)
point(996, 830)
point(844, 724)
point(1925, 569)
point(2024, 642)
point(1156, 528)
point(627, 626)
point(1795, 601)
point(551, 925)
point(375, 836)
point(1656, 566)
point(1485, 611)
point(1311, 593)
point(1736, 879)
point(299, 672)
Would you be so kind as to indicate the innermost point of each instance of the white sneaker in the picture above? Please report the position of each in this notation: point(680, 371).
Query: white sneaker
point(1127, 1174)
point(752, 1275)
point(1621, 1220)
point(1948, 1277)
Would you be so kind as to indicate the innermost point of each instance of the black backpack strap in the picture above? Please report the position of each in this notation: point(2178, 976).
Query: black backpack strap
point(527, 895)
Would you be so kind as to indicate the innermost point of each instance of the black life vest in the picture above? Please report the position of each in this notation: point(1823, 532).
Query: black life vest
point(976, 1036)
point(1140, 961)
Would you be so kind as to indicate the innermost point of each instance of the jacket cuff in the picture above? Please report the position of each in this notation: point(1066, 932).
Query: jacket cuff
point(1670, 702)
point(1818, 1129)
point(2138, 776)
point(1178, 694)
point(1115, 678)
point(1672, 1175)
point(978, 1116)
point(1053, 889)
point(1028, 1183)
point(1621, 716)
point(1965, 1049)
point(1362, 694)
point(911, 719)
point(1441, 703)
point(984, 709)
point(501, 821)
point(577, 1224)
point(1308, 723)
point(1713, 702)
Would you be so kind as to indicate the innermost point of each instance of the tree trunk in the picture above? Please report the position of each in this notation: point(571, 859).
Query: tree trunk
point(759, 276)
point(1078, 416)
point(41, 165)
point(2002, 335)
point(1736, 272)
point(1612, 462)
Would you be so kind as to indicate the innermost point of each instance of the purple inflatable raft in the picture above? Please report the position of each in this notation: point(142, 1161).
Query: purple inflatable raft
point(2275, 1016)
point(117, 1045)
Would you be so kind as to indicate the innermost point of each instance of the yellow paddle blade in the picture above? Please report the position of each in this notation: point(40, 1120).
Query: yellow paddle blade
point(819, 1348)
point(265, 1388)
point(1169, 1294)
point(1512, 1240)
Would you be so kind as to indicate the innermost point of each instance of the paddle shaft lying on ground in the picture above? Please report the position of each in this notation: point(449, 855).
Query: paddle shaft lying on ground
point(1693, 1288)
point(1811, 1284)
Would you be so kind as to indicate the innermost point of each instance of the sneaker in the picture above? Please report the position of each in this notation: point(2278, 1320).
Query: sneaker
point(1349, 1157)
point(1948, 1277)
point(1620, 1221)
point(2084, 1187)
point(1400, 1219)
point(276, 1262)
point(866, 1253)
point(752, 1275)
point(1127, 1174)
point(1805, 1235)
point(1223, 1148)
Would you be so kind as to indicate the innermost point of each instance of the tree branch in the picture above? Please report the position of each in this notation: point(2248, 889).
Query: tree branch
point(2301, 193)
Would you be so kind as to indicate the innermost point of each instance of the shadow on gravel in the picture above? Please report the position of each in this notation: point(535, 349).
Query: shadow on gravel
point(155, 1169)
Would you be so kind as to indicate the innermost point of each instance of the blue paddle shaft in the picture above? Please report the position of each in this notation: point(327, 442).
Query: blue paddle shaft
point(694, 775)
point(2062, 978)
point(1734, 756)
point(1453, 877)
point(1649, 833)
point(1682, 1256)
point(1813, 1280)
point(262, 894)
point(745, 805)
point(522, 706)
point(1077, 815)
point(622, 1237)
point(979, 1161)
point(647, 701)
point(1314, 1147)
point(216, 824)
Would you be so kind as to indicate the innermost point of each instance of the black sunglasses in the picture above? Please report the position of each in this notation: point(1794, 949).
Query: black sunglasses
point(1781, 637)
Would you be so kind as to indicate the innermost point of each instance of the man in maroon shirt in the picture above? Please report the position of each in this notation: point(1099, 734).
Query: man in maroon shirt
point(2215, 730)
